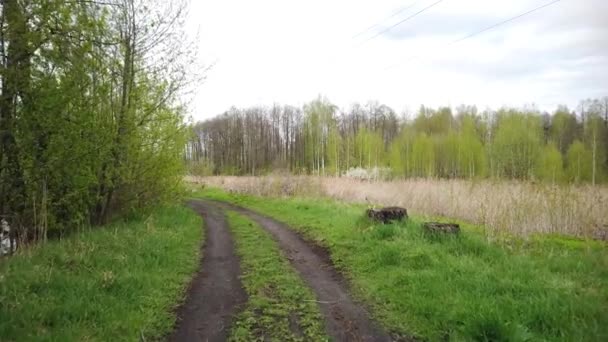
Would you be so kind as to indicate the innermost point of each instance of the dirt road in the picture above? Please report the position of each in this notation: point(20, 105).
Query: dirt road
point(215, 293)
point(345, 320)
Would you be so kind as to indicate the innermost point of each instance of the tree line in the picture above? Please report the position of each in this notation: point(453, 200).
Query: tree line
point(322, 139)
point(91, 125)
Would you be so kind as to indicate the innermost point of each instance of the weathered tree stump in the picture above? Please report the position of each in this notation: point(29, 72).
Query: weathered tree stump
point(385, 215)
point(436, 227)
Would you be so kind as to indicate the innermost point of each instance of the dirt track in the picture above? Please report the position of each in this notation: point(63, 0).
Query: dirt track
point(345, 320)
point(215, 293)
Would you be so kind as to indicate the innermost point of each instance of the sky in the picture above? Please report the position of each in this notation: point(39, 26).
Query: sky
point(289, 52)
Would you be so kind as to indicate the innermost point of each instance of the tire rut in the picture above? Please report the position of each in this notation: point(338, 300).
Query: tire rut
point(215, 294)
point(345, 319)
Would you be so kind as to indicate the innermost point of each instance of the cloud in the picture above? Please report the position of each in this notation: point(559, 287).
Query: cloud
point(288, 52)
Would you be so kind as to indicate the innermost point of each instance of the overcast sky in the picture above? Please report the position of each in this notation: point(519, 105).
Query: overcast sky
point(288, 52)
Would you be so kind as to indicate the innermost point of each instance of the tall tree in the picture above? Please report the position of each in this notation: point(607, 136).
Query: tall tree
point(516, 144)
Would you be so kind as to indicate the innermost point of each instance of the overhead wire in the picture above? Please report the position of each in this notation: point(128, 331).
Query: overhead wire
point(397, 12)
point(505, 21)
point(471, 35)
point(403, 21)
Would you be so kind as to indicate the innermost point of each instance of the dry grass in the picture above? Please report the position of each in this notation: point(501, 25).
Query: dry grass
point(503, 206)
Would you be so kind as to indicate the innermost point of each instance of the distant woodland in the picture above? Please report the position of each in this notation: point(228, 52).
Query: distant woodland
point(321, 139)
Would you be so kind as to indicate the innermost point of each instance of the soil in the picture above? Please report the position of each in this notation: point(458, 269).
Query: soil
point(215, 295)
point(345, 320)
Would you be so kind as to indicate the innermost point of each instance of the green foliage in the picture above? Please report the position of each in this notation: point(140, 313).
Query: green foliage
point(280, 306)
point(201, 168)
point(94, 129)
point(596, 134)
point(453, 153)
point(370, 148)
point(433, 122)
point(516, 145)
point(563, 129)
point(399, 152)
point(550, 166)
point(579, 163)
point(118, 283)
point(423, 156)
point(322, 140)
point(471, 153)
point(464, 288)
point(319, 122)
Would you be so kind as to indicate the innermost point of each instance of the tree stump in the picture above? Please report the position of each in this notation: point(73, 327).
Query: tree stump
point(385, 215)
point(436, 227)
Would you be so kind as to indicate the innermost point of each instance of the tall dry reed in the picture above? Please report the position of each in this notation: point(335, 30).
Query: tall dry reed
point(502, 206)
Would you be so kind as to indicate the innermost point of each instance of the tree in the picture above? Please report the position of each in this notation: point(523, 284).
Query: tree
point(401, 152)
point(91, 122)
point(564, 129)
point(472, 158)
point(423, 156)
point(516, 144)
point(508, 143)
point(550, 166)
point(578, 163)
point(595, 133)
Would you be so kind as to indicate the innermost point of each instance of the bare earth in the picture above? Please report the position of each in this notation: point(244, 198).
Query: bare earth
point(215, 293)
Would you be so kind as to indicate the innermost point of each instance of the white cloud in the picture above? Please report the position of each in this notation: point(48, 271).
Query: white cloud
point(290, 51)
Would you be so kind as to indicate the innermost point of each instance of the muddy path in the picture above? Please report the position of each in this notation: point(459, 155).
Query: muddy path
point(345, 319)
point(215, 294)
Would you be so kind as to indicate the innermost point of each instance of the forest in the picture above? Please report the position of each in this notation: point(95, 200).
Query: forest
point(91, 118)
point(322, 139)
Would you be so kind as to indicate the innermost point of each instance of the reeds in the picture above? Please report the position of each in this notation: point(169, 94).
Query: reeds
point(512, 207)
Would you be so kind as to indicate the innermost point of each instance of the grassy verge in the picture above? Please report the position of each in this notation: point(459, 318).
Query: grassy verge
point(463, 288)
point(280, 306)
point(119, 282)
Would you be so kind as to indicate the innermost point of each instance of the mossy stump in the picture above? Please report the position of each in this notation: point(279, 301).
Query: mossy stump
point(387, 214)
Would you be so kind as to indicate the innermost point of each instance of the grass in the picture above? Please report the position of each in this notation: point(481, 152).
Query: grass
point(116, 283)
point(465, 288)
point(511, 207)
point(280, 306)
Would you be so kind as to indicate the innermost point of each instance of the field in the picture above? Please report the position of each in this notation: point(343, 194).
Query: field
point(309, 267)
point(503, 207)
point(463, 288)
point(119, 282)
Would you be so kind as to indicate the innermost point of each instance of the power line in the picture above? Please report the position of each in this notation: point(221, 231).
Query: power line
point(488, 28)
point(403, 21)
point(505, 21)
point(397, 12)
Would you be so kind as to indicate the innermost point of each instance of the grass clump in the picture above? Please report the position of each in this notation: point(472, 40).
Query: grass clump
point(463, 288)
point(280, 306)
point(114, 283)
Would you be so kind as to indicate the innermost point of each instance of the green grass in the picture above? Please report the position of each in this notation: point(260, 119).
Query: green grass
point(280, 306)
point(116, 283)
point(457, 288)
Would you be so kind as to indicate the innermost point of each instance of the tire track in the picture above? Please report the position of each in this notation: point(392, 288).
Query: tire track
point(345, 319)
point(215, 294)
